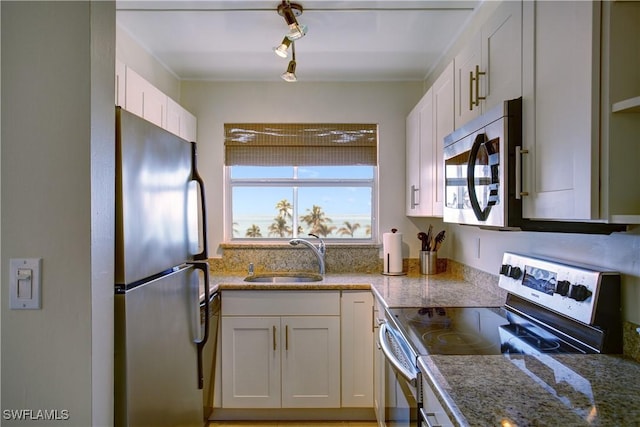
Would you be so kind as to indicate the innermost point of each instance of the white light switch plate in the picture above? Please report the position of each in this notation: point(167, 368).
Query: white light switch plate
point(25, 286)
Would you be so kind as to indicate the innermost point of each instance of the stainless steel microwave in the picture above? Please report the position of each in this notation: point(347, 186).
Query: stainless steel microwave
point(483, 176)
point(482, 169)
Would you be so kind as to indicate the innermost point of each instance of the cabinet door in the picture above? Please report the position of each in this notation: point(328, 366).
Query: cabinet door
point(379, 363)
point(310, 362)
point(443, 122)
point(465, 64)
point(250, 362)
point(501, 56)
point(419, 158)
point(145, 100)
point(180, 121)
point(357, 349)
point(561, 125)
point(412, 151)
point(120, 83)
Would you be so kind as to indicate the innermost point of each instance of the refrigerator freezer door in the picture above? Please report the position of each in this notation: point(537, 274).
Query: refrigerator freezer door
point(156, 201)
point(155, 355)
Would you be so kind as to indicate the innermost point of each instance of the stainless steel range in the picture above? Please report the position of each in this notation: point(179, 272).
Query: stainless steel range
point(552, 307)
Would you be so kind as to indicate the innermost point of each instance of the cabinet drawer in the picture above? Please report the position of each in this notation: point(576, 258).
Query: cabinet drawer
point(280, 303)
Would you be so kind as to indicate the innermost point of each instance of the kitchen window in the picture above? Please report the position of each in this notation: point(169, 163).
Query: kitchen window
point(289, 180)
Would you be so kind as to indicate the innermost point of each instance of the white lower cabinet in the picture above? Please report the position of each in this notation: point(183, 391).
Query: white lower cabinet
point(379, 366)
point(250, 362)
point(280, 349)
point(357, 349)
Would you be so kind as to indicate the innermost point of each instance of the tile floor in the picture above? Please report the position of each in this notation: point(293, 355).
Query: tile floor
point(292, 423)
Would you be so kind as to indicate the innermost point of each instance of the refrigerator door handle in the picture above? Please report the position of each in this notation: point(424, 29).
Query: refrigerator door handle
point(195, 176)
point(204, 267)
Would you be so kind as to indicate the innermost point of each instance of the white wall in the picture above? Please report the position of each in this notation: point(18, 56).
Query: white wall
point(57, 193)
point(386, 104)
point(131, 53)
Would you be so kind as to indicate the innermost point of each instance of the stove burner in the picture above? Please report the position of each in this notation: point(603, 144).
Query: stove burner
point(445, 341)
point(429, 316)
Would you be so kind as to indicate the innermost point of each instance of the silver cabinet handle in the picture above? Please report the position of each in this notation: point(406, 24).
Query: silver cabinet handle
point(414, 203)
point(471, 80)
point(477, 79)
point(519, 192)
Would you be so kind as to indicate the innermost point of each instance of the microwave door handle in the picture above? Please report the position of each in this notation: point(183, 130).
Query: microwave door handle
point(480, 214)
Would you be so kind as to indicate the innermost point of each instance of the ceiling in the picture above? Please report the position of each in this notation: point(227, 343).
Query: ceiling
point(358, 40)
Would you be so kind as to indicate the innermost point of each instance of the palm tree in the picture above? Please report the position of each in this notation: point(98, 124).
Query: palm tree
point(348, 229)
point(316, 219)
point(253, 231)
point(323, 230)
point(234, 230)
point(284, 208)
point(279, 227)
point(367, 230)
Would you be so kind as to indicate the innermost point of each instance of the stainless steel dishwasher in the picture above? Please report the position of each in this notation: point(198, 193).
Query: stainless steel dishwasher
point(209, 353)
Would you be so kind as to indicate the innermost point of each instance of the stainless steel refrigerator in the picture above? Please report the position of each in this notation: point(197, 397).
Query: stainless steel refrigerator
point(160, 264)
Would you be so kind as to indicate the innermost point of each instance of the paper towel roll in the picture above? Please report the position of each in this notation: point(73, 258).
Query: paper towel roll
point(392, 250)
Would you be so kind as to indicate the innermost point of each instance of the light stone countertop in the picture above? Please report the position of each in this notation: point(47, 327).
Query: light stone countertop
point(500, 390)
point(443, 289)
point(517, 390)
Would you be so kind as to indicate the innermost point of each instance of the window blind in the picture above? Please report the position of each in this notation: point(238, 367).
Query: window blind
point(300, 144)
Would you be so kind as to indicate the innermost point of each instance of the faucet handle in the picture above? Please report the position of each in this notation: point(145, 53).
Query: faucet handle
point(321, 247)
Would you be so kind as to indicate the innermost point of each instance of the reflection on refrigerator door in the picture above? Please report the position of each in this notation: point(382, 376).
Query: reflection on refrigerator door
point(156, 369)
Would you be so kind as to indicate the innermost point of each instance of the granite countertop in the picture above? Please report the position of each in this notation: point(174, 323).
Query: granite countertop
point(500, 390)
point(443, 289)
point(545, 390)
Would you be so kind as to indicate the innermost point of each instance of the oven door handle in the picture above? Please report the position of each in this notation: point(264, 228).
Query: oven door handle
point(407, 374)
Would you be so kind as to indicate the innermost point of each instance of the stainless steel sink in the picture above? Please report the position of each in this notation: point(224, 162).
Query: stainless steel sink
point(284, 278)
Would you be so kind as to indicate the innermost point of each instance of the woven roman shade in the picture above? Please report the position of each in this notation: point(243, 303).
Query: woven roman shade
point(300, 144)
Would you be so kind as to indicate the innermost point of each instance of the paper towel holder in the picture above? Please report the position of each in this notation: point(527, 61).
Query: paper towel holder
point(388, 273)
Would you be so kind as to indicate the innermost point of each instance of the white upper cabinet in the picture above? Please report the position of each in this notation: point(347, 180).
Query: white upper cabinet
point(428, 123)
point(581, 159)
point(488, 70)
point(443, 122)
point(180, 121)
point(138, 96)
point(145, 100)
point(419, 158)
point(121, 70)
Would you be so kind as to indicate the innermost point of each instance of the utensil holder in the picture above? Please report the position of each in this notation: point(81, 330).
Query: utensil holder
point(428, 262)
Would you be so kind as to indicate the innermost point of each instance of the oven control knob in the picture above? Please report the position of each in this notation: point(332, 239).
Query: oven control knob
point(580, 292)
point(562, 287)
point(515, 273)
point(505, 269)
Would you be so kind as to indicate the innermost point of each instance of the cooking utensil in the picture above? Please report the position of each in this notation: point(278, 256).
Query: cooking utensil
point(438, 240)
point(429, 237)
point(423, 238)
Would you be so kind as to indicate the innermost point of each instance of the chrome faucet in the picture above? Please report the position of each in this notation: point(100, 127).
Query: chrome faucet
point(319, 252)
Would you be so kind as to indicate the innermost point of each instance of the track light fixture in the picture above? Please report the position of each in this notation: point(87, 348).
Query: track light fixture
point(282, 49)
point(290, 74)
point(289, 11)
